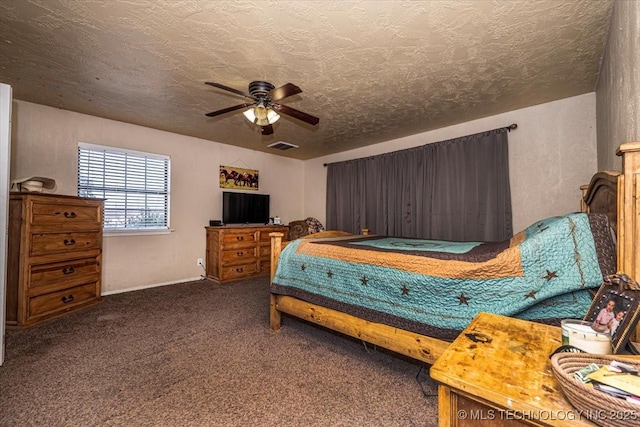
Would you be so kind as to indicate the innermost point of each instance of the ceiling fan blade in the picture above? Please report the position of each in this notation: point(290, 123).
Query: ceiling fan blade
point(230, 89)
point(284, 91)
point(267, 130)
point(227, 110)
point(308, 118)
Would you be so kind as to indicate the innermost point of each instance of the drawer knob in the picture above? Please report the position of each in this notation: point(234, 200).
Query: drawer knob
point(240, 238)
point(239, 270)
point(70, 214)
point(240, 253)
point(68, 270)
point(67, 299)
point(69, 242)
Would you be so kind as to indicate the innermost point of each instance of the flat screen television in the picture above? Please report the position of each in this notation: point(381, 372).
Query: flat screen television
point(245, 208)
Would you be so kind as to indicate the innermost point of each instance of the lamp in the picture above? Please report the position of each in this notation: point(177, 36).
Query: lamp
point(261, 115)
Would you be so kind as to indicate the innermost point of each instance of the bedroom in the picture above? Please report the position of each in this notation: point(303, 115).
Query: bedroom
point(557, 147)
point(572, 138)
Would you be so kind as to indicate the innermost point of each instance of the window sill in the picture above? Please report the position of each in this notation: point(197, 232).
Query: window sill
point(137, 232)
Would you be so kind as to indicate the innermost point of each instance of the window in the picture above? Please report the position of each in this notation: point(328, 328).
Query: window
point(135, 186)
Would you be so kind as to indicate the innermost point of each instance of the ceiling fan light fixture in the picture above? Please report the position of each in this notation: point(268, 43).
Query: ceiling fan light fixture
point(261, 116)
point(250, 115)
point(260, 111)
point(272, 116)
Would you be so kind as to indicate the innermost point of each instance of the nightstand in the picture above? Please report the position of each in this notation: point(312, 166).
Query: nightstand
point(498, 373)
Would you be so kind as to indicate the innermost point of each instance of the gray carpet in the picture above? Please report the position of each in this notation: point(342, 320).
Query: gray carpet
point(200, 354)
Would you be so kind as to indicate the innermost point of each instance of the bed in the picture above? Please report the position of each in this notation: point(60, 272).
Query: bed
point(504, 277)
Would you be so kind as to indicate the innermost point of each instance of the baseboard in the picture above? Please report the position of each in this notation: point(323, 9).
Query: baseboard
point(152, 285)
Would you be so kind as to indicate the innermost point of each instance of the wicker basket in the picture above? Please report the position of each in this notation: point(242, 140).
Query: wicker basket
point(598, 407)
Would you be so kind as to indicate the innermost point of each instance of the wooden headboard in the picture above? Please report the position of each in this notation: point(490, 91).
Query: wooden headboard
point(617, 194)
point(628, 230)
point(601, 196)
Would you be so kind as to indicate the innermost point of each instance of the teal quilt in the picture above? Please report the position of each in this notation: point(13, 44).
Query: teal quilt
point(545, 273)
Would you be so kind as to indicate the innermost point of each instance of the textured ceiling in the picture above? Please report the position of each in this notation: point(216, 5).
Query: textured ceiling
point(370, 70)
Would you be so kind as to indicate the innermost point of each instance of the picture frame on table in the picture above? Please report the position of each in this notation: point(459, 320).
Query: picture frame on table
point(614, 310)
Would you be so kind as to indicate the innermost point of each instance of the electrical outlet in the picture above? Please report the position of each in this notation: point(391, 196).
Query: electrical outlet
point(199, 262)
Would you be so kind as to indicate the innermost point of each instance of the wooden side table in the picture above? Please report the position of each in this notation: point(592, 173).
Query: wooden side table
point(498, 373)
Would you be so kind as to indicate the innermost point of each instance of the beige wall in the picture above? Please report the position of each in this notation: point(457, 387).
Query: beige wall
point(551, 154)
point(618, 90)
point(45, 141)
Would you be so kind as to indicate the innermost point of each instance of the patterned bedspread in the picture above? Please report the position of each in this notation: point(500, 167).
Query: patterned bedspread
point(544, 273)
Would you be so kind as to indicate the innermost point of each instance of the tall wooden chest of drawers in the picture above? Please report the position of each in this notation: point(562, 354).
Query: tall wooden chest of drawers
point(239, 252)
point(54, 256)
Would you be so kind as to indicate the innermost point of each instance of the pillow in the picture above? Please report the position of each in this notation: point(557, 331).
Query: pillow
point(298, 229)
point(314, 225)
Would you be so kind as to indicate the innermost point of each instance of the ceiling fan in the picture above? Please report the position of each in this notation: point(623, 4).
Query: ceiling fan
point(264, 109)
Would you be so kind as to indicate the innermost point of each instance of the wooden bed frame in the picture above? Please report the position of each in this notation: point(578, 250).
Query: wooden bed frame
point(616, 194)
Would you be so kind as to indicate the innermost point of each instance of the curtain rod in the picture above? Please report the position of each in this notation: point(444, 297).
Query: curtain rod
point(509, 128)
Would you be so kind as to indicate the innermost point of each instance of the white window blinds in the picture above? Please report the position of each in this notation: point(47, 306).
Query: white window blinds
point(135, 186)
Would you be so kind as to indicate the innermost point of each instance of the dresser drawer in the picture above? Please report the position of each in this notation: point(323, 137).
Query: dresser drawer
point(74, 216)
point(66, 273)
point(264, 251)
point(238, 255)
point(49, 243)
point(238, 271)
point(62, 300)
point(238, 238)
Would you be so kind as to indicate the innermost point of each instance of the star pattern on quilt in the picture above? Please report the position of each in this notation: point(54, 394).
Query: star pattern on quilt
point(463, 299)
point(303, 267)
point(364, 280)
point(531, 294)
point(405, 290)
point(550, 275)
point(329, 274)
point(542, 227)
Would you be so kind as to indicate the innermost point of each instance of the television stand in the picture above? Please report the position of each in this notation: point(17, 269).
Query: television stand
point(239, 251)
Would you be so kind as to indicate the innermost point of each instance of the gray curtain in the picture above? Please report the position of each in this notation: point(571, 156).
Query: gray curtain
point(451, 190)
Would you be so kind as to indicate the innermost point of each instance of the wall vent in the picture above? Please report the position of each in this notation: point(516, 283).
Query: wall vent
point(283, 146)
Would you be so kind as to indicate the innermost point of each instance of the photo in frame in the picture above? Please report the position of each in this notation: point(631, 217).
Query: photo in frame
point(614, 309)
point(238, 178)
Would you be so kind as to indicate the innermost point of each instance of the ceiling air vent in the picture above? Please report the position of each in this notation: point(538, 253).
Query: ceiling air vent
point(281, 145)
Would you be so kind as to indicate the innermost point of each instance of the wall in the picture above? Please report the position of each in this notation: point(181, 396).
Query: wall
point(45, 142)
point(618, 89)
point(551, 154)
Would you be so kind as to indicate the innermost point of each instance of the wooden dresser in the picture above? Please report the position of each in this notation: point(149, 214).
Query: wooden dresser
point(239, 252)
point(54, 256)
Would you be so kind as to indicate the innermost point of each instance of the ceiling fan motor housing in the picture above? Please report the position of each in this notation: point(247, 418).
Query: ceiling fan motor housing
point(260, 89)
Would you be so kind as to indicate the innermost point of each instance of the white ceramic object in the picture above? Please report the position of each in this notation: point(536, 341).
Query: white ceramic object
point(580, 334)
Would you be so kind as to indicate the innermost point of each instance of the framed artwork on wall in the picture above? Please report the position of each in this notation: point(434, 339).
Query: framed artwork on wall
point(232, 177)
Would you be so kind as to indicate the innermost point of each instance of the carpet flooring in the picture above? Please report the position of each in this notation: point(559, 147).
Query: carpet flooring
point(201, 354)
